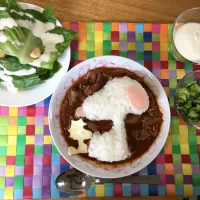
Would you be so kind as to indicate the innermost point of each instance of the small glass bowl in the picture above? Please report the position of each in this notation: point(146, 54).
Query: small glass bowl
point(189, 78)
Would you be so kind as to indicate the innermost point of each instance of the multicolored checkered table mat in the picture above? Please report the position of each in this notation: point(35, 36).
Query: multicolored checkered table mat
point(29, 161)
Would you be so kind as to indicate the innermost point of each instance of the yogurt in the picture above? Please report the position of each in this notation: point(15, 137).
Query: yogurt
point(187, 41)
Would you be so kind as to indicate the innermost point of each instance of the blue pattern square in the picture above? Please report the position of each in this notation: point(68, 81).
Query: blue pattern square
point(139, 27)
point(37, 193)
point(147, 37)
point(126, 190)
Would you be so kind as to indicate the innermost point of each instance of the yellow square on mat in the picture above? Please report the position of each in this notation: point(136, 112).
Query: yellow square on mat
point(29, 139)
point(183, 130)
point(98, 45)
point(180, 73)
point(8, 193)
point(30, 120)
point(98, 52)
point(186, 168)
point(10, 170)
point(82, 45)
point(148, 46)
point(188, 190)
point(13, 112)
point(164, 47)
point(183, 139)
point(12, 140)
point(185, 149)
point(115, 45)
point(198, 139)
point(47, 139)
point(12, 130)
point(98, 35)
point(11, 150)
point(99, 190)
point(131, 46)
point(169, 139)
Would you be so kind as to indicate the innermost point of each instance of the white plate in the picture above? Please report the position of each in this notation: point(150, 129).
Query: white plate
point(66, 82)
point(40, 92)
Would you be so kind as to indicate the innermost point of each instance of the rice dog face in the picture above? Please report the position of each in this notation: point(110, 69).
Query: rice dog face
point(116, 107)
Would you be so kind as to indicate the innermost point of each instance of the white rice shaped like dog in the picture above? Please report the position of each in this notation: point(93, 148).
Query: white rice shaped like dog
point(119, 97)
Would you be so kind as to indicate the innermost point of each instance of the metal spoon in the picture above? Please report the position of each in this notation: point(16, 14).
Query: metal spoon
point(74, 182)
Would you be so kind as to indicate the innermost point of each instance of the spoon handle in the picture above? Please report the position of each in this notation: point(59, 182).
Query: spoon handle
point(145, 179)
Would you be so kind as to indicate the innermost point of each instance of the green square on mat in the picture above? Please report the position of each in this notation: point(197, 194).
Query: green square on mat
point(162, 151)
point(90, 54)
point(155, 55)
point(2, 160)
point(194, 158)
point(123, 36)
point(188, 65)
point(2, 182)
point(191, 130)
point(38, 149)
point(193, 149)
point(74, 55)
point(108, 184)
point(106, 27)
point(196, 179)
point(178, 178)
point(20, 150)
point(106, 36)
point(3, 140)
point(90, 27)
point(54, 150)
point(139, 55)
point(170, 57)
point(176, 149)
point(139, 37)
point(175, 139)
point(124, 54)
point(3, 130)
point(3, 121)
point(21, 121)
point(107, 44)
point(19, 160)
point(172, 82)
point(170, 26)
point(18, 182)
point(90, 45)
point(21, 140)
point(174, 125)
point(155, 37)
point(3, 150)
point(171, 101)
point(21, 130)
point(192, 139)
point(172, 65)
point(90, 36)
point(106, 52)
point(177, 159)
point(39, 129)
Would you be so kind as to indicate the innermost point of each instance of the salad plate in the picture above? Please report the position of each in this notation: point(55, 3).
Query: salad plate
point(33, 95)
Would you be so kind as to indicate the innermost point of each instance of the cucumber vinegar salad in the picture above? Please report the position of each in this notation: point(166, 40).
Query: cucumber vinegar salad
point(30, 44)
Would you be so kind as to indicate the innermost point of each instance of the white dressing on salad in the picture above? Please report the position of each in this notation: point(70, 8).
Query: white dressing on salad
point(3, 8)
point(5, 77)
point(7, 22)
point(3, 37)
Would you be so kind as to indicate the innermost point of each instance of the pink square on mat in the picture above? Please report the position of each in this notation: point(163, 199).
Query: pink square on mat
point(156, 46)
point(160, 159)
point(40, 111)
point(4, 111)
point(22, 111)
point(156, 64)
point(155, 28)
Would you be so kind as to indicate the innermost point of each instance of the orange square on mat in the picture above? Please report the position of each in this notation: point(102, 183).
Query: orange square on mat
point(168, 149)
point(82, 36)
point(131, 27)
point(166, 90)
point(163, 38)
point(170, 189)
point(169, 168)
point(82, 55)
point(163, 55)
point(98, 26)
point(46, 122)
point(82, 26)
point(182, 122)
point(66, 25)
point(164, 73)
point(12, 121)
point(30, 120)
point(164, 29)
point(147, 27)
point(115, 26)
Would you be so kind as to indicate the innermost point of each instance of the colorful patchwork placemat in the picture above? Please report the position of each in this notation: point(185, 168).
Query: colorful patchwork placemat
point(29, 161)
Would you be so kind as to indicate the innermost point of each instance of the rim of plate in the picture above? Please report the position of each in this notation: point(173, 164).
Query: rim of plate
point(14, 98)
point(100, 172)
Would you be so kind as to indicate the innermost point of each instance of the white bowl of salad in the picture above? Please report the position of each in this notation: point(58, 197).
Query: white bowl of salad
point(34, 53)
